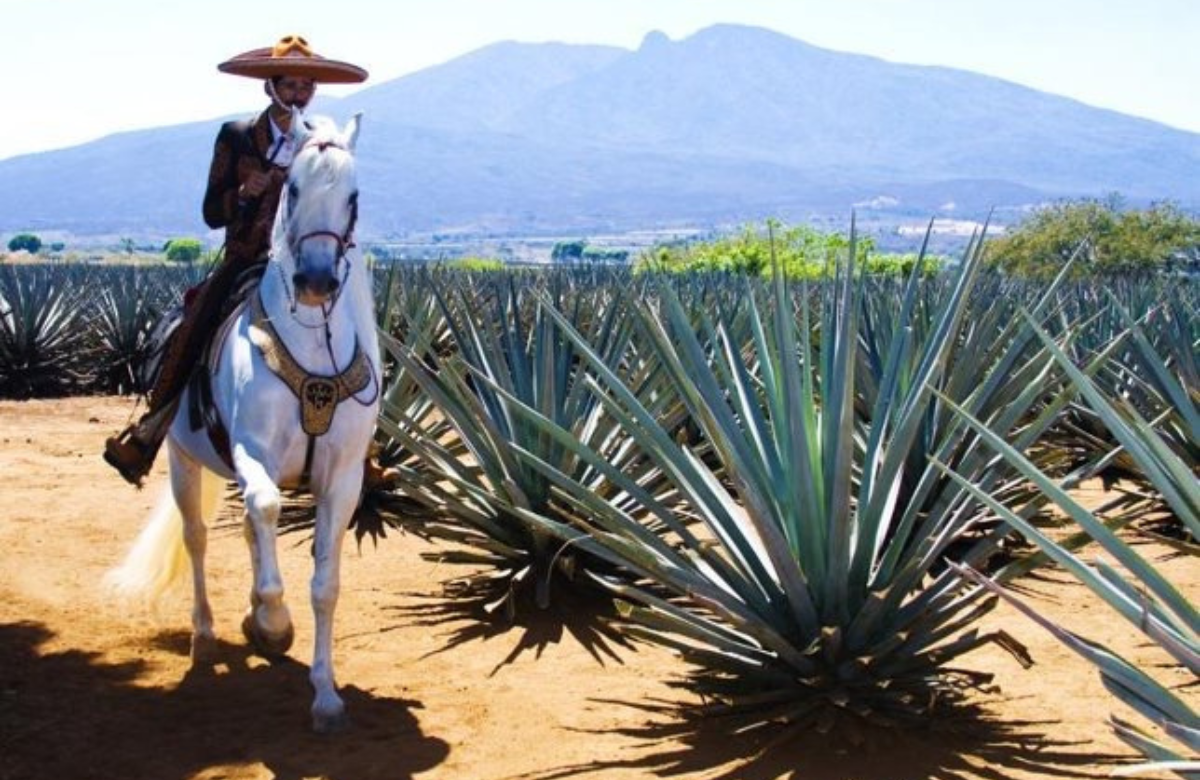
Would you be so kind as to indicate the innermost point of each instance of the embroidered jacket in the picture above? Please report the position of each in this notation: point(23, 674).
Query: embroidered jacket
point(241, 148)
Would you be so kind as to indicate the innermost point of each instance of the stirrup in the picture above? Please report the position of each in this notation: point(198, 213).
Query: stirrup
point(128, 456)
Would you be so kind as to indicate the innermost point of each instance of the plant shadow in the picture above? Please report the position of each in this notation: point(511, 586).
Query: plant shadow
point(963, 742)
point(584, 614)
point(71, 714)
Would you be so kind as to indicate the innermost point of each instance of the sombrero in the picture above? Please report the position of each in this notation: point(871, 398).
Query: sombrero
point(292, 56)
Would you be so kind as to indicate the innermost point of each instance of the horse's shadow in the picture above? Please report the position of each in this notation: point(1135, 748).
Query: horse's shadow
point(70, 714)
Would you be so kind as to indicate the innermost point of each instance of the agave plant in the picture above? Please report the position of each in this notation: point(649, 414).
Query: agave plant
point(42, 346)
point(504, 355)
point(408, 318)
point(125, 314)
point(1154, 373)
point(810, 584)
point(1136, 591)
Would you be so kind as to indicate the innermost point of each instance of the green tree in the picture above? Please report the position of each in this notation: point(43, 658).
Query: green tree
point(595, 254)
point(568, 251)
point(1112, 239)
point(183, 250)
point(27, 241)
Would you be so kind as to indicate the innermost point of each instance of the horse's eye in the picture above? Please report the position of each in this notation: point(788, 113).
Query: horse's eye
point(293, 191)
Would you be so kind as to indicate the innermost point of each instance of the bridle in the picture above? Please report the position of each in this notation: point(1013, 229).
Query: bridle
point(344, 241)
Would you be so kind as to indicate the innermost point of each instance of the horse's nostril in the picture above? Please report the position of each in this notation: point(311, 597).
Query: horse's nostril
point(315, 283)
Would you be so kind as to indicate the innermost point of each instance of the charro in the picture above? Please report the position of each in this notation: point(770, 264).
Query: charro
point(250, 163)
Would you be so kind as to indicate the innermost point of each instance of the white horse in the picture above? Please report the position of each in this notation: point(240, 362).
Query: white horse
point(301, 401)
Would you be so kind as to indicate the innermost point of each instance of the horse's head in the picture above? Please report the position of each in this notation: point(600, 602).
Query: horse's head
point(320, 205)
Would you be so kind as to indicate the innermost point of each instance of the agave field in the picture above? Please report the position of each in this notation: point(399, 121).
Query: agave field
point(811, 490)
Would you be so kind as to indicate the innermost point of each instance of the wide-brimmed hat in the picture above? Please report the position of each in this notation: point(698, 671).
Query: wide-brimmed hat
point(292, 56)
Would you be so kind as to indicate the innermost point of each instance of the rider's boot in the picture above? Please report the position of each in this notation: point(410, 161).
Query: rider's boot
point(375, 476)
point(132, 452)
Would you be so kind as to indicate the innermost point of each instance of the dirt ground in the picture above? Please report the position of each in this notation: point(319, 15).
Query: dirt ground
point(89, 692)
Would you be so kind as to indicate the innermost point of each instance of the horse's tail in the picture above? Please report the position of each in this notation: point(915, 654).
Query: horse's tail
point(158, 558)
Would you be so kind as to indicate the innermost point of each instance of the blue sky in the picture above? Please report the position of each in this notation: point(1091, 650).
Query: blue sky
point(76, 70)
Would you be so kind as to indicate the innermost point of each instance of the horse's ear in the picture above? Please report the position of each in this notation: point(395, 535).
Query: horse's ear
point(299, 129)
point(351, 131)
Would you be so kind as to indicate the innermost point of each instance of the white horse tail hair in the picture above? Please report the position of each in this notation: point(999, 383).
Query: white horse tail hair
point(158, 559)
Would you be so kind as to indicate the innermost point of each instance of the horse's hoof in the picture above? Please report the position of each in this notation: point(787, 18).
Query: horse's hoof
point(204, 650)
point(332, 723)
point(266, 646)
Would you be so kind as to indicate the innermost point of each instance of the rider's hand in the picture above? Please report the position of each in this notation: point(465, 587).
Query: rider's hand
point(255, 185)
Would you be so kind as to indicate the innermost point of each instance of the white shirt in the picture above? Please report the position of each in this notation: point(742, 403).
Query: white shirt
point(282, 146)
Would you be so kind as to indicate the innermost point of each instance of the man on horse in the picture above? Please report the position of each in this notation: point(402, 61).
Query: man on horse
point(249, 166)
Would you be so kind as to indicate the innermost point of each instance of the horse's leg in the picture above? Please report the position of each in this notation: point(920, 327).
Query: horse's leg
point(267, 625)
point(334, 511)
point(186, 477)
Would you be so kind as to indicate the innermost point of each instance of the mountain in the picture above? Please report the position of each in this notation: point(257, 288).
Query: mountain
point(729, 125)
point(755, 94)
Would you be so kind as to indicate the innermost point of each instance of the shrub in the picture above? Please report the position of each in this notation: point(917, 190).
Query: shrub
point(27, 241)
point(889, 264)
point(568, 251)
point(1110, 239)
point(803, 253)
point(595, 254)
point(474, 263)
point(183, 250)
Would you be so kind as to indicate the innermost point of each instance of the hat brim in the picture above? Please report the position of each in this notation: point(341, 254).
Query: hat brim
point(259, 64)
